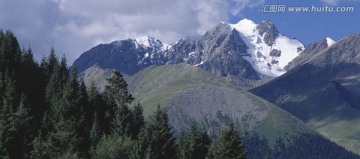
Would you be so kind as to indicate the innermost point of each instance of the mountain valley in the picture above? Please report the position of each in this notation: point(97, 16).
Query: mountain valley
point(317, 83)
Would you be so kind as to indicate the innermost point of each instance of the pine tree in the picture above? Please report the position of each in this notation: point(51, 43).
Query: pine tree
point(63, 69)
point(50, 63)
point(123, 120)
point(95, 132)
point(114, 147)
point(2, 88)
point(10, 53)
point(98, 106)
point(117, 99)
point(84, 118)
point(2, 54)
point(94, 98)
point(23, 135)
point(117, 90)
point(38, 148)
point(65, 137)
point(199, 143)
point(54, 83)
point(228, 145)
point(162, 143)
point(141, 146)
point(193, 145)
point(53, 92)
point(7, 129)
point(138, 120)
point(32, 83)
point(204, 146)
point(183, 146)
point(63, 73)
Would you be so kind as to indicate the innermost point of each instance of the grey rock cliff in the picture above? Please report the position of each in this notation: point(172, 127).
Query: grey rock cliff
point(268, 29)
point(219, 51)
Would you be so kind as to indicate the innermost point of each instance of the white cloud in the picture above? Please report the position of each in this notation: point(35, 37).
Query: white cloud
point(74, 26)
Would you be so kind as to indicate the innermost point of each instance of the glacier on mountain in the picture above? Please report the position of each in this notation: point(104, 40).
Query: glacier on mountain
point(260, 53)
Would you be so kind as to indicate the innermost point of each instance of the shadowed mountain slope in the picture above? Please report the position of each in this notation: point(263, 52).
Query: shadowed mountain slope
point(324, 92)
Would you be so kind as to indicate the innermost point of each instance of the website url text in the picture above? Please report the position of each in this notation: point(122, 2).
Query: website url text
point(324, 8)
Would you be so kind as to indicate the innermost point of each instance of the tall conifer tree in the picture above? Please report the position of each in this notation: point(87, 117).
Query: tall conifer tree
point(228, 145)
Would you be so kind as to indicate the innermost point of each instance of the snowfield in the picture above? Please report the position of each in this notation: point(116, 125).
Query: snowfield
point(259, 51)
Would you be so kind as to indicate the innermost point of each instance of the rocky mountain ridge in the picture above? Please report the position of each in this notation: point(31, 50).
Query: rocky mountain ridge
point(242, 51)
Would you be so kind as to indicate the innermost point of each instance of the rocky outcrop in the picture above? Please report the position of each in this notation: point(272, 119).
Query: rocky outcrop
point(269, 31)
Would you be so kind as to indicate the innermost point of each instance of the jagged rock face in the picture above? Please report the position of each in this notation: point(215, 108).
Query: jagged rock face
point(127, 56)
point(219, 51)
point(225, 51)
point(309, 52)
point(270, 31)
point(187, 50)
point(244, 50)
point(345, 51)
point(213, 39)
point(232, 65)
point(233, 44)
point(275, 53)
point(223, 39)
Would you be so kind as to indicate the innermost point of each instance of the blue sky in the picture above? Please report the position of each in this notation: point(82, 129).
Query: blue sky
point(74, 26)
point(308, 27)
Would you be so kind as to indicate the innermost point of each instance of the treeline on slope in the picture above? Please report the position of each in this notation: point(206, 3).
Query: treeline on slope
point(305, 146)
point(45, 112)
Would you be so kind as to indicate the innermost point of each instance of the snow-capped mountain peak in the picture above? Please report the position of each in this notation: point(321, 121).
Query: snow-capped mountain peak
point(148, 41)
point(269, 54)
point(245, 26)
point(144, 41)
point(153, 50)
point(330, 41)
point(243, 50)
point(268, 51)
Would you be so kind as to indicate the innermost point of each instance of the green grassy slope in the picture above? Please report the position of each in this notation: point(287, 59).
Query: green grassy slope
point(190, 94)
